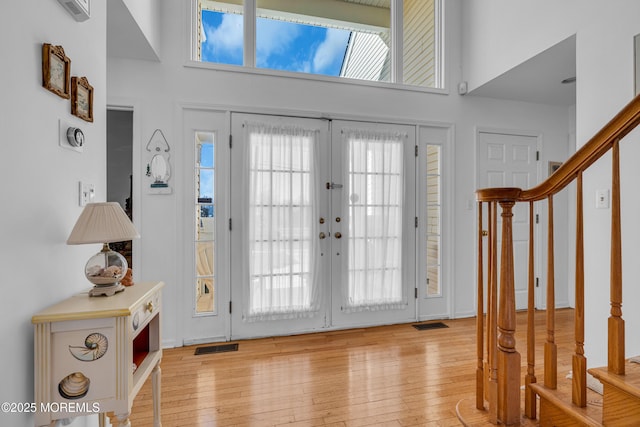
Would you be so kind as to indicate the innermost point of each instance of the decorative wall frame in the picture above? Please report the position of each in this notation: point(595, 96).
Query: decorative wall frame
point(82, 98)
point(56, 68)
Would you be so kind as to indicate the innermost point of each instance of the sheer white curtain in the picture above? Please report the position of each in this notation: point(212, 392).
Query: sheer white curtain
point(375, 175)
point(280, 215)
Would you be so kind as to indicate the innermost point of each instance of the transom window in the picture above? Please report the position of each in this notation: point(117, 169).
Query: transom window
point(353, 39)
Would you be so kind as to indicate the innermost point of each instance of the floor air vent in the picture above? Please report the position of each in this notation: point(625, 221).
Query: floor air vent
point(426, 326)
point(223, 348)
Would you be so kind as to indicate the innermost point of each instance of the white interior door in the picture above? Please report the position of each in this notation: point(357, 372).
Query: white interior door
point(509, 160)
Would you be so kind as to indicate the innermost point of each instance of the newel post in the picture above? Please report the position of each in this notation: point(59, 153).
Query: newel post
point(508, 357)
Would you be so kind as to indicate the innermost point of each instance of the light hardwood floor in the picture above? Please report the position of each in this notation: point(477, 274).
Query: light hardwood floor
point(383, 376)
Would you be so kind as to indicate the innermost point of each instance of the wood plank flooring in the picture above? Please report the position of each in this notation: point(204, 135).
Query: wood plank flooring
point(383, 376)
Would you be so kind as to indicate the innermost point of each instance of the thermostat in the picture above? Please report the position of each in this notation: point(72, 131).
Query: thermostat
point(75, 137)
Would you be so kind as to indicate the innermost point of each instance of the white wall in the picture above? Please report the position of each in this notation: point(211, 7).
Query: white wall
point(39, 180)
point(605, 84)
point(147, 16)
point(160, 88)
point(500, 34)
point(510, 32)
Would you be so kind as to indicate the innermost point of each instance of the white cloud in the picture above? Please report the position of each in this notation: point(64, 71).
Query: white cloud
point(273, 37)
point(331, 49)
point(228, 36)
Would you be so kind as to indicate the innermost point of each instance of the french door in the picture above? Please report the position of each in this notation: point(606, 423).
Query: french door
point(322, 224)
point(372, 223)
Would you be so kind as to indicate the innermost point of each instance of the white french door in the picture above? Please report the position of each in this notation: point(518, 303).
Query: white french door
point(278, 264)
point(372, 223)
point(322, 224)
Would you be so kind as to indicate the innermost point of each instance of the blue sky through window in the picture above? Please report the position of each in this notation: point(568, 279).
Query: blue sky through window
point(280, 45)
point(207, 161)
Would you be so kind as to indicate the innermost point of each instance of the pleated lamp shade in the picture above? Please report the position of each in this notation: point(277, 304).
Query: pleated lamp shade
point(102, 223)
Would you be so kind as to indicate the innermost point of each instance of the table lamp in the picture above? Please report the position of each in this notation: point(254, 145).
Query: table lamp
point(104, 223)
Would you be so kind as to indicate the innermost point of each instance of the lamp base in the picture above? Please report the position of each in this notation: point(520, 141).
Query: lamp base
point(108, 290)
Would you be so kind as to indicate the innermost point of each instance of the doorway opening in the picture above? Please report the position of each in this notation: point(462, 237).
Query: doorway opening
point(120, 169)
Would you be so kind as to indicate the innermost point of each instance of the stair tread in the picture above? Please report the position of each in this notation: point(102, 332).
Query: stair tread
point(630, 382)
point(591, 415)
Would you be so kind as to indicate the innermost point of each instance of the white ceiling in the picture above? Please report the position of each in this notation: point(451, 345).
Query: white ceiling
point(539, 79)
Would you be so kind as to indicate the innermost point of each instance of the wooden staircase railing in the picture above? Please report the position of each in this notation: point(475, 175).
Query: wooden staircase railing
point(498, 371)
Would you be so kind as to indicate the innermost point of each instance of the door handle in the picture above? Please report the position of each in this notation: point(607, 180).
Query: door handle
point(332, 185)
point(337, 234)
point(322, 235)
point(485, 233)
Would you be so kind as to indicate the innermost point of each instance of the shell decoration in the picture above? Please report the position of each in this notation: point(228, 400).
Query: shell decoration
point(95, 346)
point(74, 386)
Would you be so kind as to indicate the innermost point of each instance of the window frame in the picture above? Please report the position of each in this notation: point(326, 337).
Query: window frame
point(249, 51)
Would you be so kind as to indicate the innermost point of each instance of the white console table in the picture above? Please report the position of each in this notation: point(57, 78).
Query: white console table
point(93, 354)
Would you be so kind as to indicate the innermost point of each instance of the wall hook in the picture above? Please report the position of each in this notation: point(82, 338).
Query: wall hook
point(159, 141)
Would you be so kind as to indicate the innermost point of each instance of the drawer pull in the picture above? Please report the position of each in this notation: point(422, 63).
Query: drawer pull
point(150, 307)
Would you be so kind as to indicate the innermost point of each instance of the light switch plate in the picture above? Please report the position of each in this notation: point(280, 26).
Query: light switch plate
point(87, 193)
point(602, 199)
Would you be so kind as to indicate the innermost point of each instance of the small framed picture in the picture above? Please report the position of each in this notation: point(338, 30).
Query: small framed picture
point(554, 166)
point(82, 98)
point(56, 68)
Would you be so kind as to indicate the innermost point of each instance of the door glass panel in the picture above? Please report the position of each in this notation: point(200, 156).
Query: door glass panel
point(205, 222)
point(375, 207)
point(281, 222)
point(433, 220)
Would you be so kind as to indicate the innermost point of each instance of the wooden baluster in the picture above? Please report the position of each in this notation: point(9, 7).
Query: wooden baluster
point(579, 382)
point(530, 397)
point(616, 323)
point(550, 348)
point(480, 318)
point(487, 360)
point(508, 357)
point(492, 322)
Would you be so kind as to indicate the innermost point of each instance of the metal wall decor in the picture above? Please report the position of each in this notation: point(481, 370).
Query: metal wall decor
point(158, 166)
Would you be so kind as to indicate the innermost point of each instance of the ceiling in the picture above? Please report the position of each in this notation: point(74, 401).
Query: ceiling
point(538, 79)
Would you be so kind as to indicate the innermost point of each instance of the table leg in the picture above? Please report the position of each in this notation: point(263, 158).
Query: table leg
point(123, 420)
point(156, 375)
